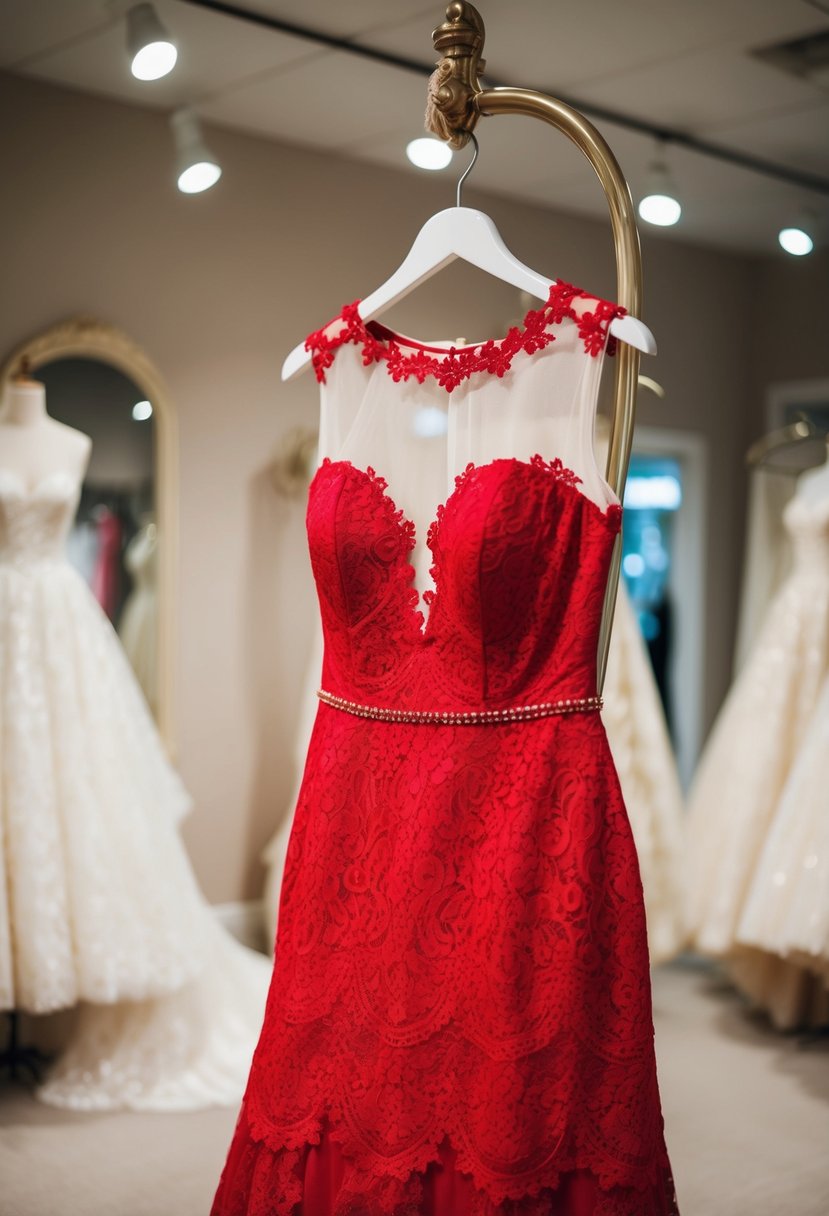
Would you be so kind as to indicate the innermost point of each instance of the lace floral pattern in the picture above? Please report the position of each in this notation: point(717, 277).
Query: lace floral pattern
point(87, 792)
point(459, 363)
point(461, 982)
point(99, 906)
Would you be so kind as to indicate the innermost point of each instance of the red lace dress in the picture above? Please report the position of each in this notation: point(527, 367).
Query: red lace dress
point(459, 1021)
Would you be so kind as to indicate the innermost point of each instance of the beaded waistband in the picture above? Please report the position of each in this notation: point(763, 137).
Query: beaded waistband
point(480, 717)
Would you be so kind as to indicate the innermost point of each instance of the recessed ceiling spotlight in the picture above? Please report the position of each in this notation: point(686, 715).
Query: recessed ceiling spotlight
point(152, 51)
point(197, 167)
point(142, 410)
point(798, 240)
point(660, 204)
point(428, 153)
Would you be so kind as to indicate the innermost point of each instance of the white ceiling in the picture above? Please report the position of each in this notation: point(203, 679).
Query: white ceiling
point(675, 63)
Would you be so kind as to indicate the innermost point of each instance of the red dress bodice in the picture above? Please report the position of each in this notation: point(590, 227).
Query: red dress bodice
point(520, 562)
point(459, 1021)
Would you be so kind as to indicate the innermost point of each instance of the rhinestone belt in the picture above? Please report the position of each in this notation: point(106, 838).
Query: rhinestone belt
point(452, 717)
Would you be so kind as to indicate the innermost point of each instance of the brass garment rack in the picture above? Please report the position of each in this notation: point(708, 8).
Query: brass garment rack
point(763, 452)
point(457, 101)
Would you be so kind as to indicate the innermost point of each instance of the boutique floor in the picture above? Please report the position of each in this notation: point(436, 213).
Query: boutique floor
point(747, 1114)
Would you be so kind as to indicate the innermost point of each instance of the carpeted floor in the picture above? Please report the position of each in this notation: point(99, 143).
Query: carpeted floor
point(747, 1114)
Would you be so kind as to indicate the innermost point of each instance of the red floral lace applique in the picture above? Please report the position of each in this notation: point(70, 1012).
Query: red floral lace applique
point(557, 468)
point(385, 564)
point(458, 364)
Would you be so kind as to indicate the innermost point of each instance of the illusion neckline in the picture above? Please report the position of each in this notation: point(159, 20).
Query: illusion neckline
point(450, 365)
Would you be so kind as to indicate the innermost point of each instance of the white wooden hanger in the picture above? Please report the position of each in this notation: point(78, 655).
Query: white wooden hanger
point(463, 232)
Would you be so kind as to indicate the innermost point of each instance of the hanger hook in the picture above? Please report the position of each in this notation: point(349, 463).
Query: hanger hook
point(468, 169)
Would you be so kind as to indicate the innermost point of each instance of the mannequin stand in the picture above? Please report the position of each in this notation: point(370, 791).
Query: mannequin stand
point(21, 1063)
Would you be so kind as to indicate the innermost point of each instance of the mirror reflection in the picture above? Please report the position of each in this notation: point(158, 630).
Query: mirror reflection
point(114, 539)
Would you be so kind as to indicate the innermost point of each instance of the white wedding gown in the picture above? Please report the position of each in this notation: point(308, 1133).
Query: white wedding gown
point(99, 906)
point(787, 910)
point(642, 752)
point(768, 555)
point(750, 758)
point(783, 935)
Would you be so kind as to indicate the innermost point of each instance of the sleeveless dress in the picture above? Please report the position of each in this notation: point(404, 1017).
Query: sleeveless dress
point(99, 906)
point(459, 1021)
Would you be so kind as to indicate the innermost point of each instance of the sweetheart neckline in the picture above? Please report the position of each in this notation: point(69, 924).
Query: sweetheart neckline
point(610, 517)
point(32, 491)
point(536, 461)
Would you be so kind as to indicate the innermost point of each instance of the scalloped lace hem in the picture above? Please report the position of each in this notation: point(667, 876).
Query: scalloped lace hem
point(312, 1174)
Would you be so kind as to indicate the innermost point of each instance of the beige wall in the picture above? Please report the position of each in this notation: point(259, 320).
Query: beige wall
point(216, 289)
point(790, 327)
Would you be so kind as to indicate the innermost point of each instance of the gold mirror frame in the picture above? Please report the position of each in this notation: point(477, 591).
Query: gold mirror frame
point(86, 338)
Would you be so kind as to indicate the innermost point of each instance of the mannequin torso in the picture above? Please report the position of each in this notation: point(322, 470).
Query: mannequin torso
point(33, 445)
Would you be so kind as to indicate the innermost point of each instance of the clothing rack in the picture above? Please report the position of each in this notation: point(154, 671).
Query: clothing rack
point(764, 451)
point(455, 107)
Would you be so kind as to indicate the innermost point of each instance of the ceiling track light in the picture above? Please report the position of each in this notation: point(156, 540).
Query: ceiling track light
point(798, 239)
point(142, 410)
point(660, 203)
point(429, 153)
point(153, 53)
point(197, 168)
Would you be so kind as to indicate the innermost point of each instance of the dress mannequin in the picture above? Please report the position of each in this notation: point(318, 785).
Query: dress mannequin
point(32, 444)
point(99, 906)
point(741, 861)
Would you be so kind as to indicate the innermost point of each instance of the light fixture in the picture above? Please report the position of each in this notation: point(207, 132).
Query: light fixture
point(197, 167)
point(660, 204)
point(152, 52)
point(798, 239)
point(429, 153)
point(141, 411)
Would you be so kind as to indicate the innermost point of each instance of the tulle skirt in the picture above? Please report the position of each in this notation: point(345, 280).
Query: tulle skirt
point(97, 898)
point(644, 759)
point(749, 757)
point(184, 1051)
point(99, 906)
point(138, 630)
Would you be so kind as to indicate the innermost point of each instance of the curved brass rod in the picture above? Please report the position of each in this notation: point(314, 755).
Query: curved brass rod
point(629, 289)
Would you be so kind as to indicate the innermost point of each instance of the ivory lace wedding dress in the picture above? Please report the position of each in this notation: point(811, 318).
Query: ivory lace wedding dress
point(744, 772)
point(787, 910)
point(99, 906)
point(642, 752)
